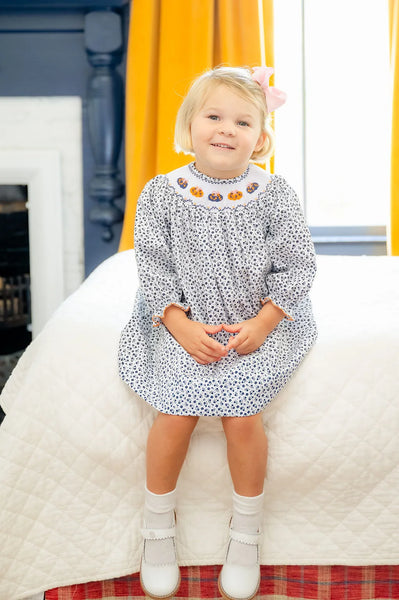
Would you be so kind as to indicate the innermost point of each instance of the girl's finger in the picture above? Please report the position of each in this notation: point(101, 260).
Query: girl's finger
point(213, 328)
point(198, 360)
point(244, 348)
point(215, 347)
point(203, 358)
point(233, 328)
point(235, 342)
point(200, 357)
point(211, 348)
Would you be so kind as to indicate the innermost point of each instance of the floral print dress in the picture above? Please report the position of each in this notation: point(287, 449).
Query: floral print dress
point(219, 249)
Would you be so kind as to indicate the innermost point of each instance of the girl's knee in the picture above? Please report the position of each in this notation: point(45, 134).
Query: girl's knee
point(242, 427)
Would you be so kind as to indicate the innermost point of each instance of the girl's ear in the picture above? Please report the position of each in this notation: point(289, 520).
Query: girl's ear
point(261, 141)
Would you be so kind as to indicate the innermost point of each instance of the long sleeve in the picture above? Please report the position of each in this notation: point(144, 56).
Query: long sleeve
point(291, 250)
point(159, 280)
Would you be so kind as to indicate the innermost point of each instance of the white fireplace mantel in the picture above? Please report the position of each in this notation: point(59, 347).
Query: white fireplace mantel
point(41, 147)
point(40, 171)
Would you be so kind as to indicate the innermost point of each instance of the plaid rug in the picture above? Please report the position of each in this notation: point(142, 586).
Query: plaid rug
point(277, 583)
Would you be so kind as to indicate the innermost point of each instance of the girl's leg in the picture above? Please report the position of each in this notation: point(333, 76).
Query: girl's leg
point(246, 453)
point(247, 457)
point(167, 446)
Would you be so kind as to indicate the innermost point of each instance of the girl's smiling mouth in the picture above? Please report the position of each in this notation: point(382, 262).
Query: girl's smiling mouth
point(220, 145)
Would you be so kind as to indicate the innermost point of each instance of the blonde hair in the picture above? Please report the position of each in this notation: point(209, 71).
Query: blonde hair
point(237, 79)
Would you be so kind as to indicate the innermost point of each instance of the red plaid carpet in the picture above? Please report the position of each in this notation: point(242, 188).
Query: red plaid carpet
point(278, 583)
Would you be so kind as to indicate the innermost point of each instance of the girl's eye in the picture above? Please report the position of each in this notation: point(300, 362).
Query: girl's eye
point(243, 123)
point(213, 117)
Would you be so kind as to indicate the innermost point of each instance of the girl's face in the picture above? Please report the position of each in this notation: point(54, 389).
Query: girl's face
point(224, 133)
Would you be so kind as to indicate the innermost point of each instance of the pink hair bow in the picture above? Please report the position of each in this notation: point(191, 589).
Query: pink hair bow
point(274, 97)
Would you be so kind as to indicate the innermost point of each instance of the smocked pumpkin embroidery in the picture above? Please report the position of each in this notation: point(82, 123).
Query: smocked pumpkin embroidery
point(235, 195)
point(215, 197)
point(197, 192)
point(252, 187)
point(183, 183)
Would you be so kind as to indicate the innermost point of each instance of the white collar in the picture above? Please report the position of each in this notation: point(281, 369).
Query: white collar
point(201, 190)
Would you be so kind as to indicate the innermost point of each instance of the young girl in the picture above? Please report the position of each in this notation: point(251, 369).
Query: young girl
point(222, 317)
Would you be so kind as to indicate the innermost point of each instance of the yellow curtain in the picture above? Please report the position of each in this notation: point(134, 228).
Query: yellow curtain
point(170, 43)
point(394, 41)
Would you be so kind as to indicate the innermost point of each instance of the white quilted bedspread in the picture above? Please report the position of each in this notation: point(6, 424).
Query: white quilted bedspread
point(72, 445)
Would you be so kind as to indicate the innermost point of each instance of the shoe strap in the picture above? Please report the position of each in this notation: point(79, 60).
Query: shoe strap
point(158, 534)
point(252, 539)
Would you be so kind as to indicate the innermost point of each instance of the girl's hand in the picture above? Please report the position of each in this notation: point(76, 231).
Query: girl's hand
point(252, 333)
point(194, 336)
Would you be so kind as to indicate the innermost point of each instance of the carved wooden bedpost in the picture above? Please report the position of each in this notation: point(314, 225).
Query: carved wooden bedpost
point(104, 47)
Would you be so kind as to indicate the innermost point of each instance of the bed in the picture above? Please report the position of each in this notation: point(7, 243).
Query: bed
point(72, 443)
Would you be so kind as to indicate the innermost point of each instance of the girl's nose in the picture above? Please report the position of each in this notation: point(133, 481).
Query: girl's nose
point(227, 128)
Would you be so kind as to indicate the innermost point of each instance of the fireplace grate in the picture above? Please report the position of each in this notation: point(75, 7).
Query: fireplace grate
point(15, 296)
point(15, 301)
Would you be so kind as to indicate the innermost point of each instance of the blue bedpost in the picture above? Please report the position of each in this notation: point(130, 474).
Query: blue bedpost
point(105, 105)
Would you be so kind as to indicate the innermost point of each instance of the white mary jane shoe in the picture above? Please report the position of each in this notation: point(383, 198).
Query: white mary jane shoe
point(240, 582)
point(159, 581)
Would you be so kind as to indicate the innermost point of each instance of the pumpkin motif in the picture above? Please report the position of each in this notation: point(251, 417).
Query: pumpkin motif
point(215, 197)
point(182, 182)
point(252, 187)
point(236, 195)
point(197, 192)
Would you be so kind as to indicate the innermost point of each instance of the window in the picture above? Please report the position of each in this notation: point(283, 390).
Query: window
point(333, 135)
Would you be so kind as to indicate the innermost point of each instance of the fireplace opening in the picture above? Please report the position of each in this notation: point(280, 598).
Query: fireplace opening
point(15, 303)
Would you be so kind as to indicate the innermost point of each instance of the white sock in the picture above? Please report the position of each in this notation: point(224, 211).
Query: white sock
point(159, 514)
point(247, 518)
